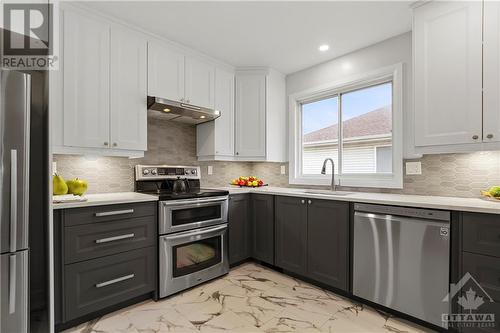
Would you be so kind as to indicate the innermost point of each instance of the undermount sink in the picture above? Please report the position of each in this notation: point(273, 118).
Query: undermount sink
point(328, 192)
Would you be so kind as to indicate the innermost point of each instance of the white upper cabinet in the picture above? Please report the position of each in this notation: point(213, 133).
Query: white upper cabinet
point(250, 126)
point(491, 98)
point(199, 82)
point(98, 97)
point(215, 139)
point(447, 46)
point(165, 72)
point(175, 76)
point(128, 90)
point(86, 56)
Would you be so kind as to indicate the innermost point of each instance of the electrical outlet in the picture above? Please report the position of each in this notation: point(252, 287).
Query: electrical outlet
point(283, 170)
point(210, 170)
point(54, 168)
point(413, 168)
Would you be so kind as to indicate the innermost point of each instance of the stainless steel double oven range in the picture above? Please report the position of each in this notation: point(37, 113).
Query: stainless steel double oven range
point(192, 225)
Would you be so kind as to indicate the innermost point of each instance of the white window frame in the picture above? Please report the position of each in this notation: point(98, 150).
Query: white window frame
point(394, 74)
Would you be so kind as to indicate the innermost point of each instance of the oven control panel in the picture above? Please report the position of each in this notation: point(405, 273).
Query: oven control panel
point(151, 172)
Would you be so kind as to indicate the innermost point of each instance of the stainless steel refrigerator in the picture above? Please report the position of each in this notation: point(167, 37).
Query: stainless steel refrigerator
point(23, 124)
point(14, 203)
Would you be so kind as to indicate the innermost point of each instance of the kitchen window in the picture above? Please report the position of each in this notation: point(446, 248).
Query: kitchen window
point(357, 123)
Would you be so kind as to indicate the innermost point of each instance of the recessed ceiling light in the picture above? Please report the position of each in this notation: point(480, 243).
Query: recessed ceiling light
point(202, 117)
point(323, 47)
point(166, 110)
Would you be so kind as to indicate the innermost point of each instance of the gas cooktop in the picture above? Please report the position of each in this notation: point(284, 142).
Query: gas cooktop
point(172, 182)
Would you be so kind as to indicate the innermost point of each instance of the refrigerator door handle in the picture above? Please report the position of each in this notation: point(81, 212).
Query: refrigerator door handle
point(12, 284)
point(13, 200)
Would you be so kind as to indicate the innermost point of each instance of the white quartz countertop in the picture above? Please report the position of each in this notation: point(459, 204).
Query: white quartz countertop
point(107, 199)
point(478, 205)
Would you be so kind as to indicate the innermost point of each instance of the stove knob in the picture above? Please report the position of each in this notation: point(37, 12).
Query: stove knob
point(145, 172)
point(186, 172)
point(193, 172)
point(153, 172)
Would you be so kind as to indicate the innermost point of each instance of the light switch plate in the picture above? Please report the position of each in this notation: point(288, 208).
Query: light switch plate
point(413, 168)
point(283, 170)
point(210, 170)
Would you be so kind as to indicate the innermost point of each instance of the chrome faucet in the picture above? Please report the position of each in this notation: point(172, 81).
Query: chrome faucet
point(323, 171)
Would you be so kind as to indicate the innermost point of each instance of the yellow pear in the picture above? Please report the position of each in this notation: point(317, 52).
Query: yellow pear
point(59, 186)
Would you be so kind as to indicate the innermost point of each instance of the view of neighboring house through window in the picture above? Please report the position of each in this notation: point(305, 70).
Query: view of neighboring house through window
point(366, 127)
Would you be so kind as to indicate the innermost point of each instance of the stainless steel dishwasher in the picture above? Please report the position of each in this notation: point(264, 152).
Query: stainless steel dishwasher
point(401, 259)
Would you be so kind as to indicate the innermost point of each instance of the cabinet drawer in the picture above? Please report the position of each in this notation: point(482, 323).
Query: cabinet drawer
point(481, 233)
point(99, 283)
point(77, 216)
point(83, 242)
point(486, 271)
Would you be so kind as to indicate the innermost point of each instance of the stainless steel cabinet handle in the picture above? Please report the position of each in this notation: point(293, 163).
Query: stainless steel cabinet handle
point(13, 200)
point(490, 136)
point(475, 137)
point(106, 143)
point(120, 279)
point(115, 212)
point(12, 284)
point(115, 238)
point(115, 144)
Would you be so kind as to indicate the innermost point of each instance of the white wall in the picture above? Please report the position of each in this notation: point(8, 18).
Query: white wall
point(389, 52)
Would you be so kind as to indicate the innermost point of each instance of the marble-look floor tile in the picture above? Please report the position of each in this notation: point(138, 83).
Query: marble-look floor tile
point(251, 298)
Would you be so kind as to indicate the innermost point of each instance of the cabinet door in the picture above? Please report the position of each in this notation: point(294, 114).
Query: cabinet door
point(165, 72)
point(86, 81)
point(263, 227)
point(128, 91)
point(448, 73)
point(491, 97)
point(486, 271)
point(224, 102)
point(291, 234)
point(239, 228)
point(200, 83)
point(250, 115)
point(327, 242)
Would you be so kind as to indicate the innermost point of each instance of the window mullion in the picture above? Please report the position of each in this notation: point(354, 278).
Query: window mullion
point(340, 136)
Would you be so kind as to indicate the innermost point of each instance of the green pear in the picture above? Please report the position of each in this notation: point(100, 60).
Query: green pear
point(59, 186)
point(77, 186)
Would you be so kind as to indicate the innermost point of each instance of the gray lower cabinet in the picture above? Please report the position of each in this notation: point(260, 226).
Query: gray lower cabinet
point(486, 271)
point(262, 207)
point(239, 228)
point(327, 242)
point(481, 258)
point(312, 239)
point(93, 285)
point(291, 234)
point(104, 256)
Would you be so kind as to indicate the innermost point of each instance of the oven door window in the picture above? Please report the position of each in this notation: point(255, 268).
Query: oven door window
point(196, 214)
point(195, 256)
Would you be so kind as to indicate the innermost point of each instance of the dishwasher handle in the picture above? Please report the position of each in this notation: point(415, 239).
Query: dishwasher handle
point(367, 217)
point(411, 212)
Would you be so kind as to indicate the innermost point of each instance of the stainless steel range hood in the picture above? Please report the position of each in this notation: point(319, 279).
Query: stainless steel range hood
point(181, 112)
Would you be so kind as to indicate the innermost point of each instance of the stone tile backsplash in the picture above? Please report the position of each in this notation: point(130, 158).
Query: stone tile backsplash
point(462, 175)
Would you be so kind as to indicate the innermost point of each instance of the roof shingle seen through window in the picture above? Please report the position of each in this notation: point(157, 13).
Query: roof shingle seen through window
point(376, 122)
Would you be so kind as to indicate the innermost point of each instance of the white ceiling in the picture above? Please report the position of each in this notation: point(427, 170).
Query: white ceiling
point(282, 35)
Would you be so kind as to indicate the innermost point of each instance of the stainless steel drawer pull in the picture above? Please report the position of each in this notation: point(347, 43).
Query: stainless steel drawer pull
point(115, 238)
point(115, 212)
point(120, 279)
